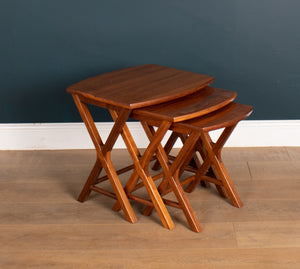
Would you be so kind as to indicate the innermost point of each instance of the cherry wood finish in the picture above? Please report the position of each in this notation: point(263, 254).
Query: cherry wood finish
point(139, 86)
point(121, 92)
point(224, 117)
point(201, 103)
point(227, 118)
point(103, 157)
point(169, 99)
point(104, 160)
point(170, 172)
point(188, 107)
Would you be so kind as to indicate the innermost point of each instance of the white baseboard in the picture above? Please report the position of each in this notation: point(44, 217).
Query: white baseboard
point(74, 135)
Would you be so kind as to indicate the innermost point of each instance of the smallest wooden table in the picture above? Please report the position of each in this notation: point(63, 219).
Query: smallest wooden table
point(122, 92)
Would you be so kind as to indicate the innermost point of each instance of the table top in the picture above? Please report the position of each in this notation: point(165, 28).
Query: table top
point(191, 106)
point(140, 86)
point(223, 117)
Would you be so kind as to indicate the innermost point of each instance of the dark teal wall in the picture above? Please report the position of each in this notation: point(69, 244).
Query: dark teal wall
point(252, 47)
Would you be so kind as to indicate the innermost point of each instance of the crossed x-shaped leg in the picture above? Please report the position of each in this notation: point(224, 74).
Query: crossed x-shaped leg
point(103, 157)
point(212, 168)
point(103, 160)
point(170, 172)
point(211, 154)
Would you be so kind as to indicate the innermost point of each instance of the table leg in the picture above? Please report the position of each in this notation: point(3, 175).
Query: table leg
point(141, 170)
point(168, 147)
point(91, 181)
point(171, 174)
point(213, 159)
point(103, 153)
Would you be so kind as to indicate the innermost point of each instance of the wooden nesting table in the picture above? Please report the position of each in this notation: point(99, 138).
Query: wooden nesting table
point(168, 99)
point(122, 92)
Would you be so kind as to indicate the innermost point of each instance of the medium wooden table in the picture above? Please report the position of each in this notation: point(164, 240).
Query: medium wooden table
point(206, 109)
point(122, 92)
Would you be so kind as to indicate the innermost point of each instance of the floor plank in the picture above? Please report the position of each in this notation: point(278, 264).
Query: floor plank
point(275, 170)
point(114, 236)
point(276, 234)
point(42, 225)
point(269, 189)
point(256, 154)
point(259, 258)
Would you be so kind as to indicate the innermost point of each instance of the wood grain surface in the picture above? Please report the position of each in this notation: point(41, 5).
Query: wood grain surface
point(140, 86)
point(194, 105)
point(43, 226)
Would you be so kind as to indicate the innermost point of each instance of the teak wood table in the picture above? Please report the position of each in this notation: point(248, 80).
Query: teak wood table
point(122, 92)
point(193, 116)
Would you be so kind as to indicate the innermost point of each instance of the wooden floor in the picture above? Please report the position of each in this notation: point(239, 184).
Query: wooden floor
point(43, 226)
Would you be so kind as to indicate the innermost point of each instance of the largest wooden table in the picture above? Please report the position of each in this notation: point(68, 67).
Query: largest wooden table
point(122, 92)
